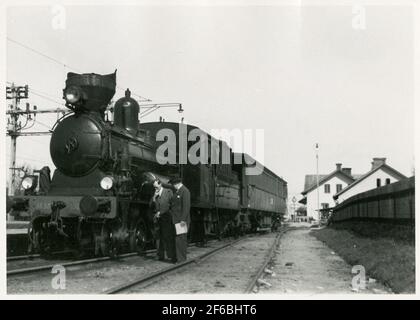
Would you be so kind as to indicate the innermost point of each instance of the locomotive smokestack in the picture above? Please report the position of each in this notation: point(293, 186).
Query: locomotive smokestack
point(89, 91)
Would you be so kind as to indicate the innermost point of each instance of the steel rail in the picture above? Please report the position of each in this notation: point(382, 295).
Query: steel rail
point(267, 260)
point(160, 273)
point(24, 257)
point(71, 263)
point(35, 255)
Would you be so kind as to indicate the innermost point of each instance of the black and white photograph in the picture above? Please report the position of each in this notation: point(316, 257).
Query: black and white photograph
point(251, 149)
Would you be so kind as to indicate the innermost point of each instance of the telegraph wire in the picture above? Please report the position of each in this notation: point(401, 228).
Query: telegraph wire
point(42, 94)
point(41, 54)
point(36, 141)
point(30, 159)
point(45, 94)
point(43, 124)
point(63, 64)
point(47, 98)
point(146, 113)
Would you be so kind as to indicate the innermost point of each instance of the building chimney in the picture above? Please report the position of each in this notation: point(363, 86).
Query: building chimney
point(377, 162)
point(347, 171)
point(338, 166)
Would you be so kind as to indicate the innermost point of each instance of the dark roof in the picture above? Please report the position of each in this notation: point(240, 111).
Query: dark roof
point(257, 163)
point(310, 179)
point(303, 200)
point(391, 171)
point(389, 189)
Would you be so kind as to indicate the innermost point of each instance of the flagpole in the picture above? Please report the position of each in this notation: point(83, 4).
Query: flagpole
point(317, 183)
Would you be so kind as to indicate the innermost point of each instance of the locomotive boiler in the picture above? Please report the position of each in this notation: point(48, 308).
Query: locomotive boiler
point(98, 198)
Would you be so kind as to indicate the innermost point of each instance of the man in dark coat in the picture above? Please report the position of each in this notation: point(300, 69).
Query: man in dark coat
point(166, 234)
point(181, 204)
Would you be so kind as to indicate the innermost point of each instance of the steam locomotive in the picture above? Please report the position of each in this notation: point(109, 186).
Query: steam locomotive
point(98, 198)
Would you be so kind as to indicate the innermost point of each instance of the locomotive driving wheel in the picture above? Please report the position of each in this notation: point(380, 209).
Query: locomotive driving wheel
point(39, 239)
point(108, 244)
point(138, 238)
point(83, 240)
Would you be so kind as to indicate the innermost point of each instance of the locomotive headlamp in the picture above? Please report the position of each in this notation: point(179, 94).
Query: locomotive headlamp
point(72, 94)
point(27, 183)
point(107, 183)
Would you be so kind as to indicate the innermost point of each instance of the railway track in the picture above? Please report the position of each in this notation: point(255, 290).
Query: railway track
point(36, 256)
point(256, 279)
point(23, 257)
point(166, 271)
point(97, 275)
point(136, 284)
point(48, 267)
point(65, 263)
point(240, 261)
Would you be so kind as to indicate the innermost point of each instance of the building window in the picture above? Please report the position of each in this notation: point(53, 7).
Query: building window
point(325, 205)
point(339, 187)
point(388, 180)
point(327, 188)
point(378, 182)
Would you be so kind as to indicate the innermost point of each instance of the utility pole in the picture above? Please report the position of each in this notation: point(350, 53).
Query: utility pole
point(15, 94)
point(317, 182)
point(14, 126)
point(294, 208)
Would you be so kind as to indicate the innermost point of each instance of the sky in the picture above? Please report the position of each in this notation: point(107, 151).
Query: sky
point(339, 76)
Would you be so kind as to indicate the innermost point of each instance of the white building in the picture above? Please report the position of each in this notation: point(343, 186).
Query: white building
point(342, 184)
point(329, 185)
point(380, 174)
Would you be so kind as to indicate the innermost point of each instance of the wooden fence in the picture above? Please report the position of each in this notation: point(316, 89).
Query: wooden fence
point(393, 201)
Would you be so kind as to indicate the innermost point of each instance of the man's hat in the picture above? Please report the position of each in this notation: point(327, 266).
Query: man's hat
point(175, 180)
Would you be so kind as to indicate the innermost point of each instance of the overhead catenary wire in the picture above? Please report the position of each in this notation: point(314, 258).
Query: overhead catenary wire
point(46, 56)
point(35, 141)
point(41, 54)
point(146, 113)
point(149, 108)
point(31, 159)
point(43, 124)
point(46, 98)
point(57, 98)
